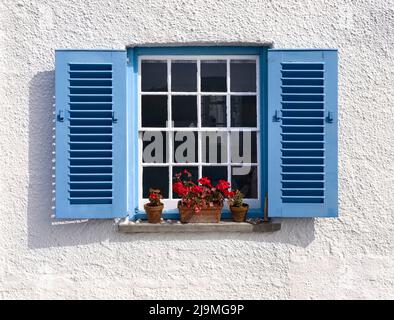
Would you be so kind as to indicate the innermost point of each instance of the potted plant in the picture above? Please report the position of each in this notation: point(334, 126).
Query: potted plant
point(200, 202)
point(154, 207)
point(238, 208)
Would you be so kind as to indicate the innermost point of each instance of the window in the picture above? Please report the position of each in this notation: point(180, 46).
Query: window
point(125, 120)
point(201, 114)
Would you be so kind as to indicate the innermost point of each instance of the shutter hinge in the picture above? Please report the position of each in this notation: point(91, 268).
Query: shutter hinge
point(60, 116)
point(114, 119)
point(127, 60)
point(276, 117)
point(329, 117)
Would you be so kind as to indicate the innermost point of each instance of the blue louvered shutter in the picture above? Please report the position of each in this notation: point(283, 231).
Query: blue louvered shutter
point(90, 134)
point(302, 133)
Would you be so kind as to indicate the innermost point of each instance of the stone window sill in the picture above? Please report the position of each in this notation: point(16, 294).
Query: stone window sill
point(177, 227)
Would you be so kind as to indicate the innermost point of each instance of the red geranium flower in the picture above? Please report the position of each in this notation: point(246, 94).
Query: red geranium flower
point(197, 189)
point(223, 185)
point(229, 194)
point(205, 181)
point(180, 189)
point(153, 196)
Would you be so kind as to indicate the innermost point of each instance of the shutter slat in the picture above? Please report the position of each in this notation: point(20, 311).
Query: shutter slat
point(87, 201)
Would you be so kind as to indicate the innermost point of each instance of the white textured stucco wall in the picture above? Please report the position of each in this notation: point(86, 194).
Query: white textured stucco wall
point(349, 257)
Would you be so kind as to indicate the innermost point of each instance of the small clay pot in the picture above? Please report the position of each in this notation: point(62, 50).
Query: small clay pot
point(239, 213)
point(153, 212)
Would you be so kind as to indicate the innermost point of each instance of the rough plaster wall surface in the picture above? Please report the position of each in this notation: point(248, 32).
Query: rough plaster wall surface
point(349, 257)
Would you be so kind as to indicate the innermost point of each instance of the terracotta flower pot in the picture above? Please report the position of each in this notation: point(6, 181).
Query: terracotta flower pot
point(206, 215)
point(239, 213)
point(154, 213)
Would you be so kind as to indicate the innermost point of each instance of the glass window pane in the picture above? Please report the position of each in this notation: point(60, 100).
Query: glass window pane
point(178, 169)
point(214, 147)
point(156, 178)
point(154, 75)
point(184, 76)
point(215, 173)
point(213, 111)
point(245, 179)
point(213, 76)
point(184, 111)
point(154, 111)
point(154, 144)
point(243, 75)
point(243, 147)
point(185, 147)
point(243, 111)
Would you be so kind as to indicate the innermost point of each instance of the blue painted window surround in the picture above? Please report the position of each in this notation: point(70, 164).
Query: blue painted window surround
point(97, 161)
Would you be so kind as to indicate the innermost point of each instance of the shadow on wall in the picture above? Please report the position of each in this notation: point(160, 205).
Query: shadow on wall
point(43, 230)
point(46, 232)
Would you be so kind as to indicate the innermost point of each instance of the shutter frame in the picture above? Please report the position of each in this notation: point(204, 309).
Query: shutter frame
point(74, 99)
point(279, 90)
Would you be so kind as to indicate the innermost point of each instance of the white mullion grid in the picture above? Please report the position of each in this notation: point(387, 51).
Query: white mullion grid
point(199, 120)
point(218, 129)
point(260, 197)
point(207, 164)
point(228, 116)
point(140, 182)
point(170, 134)
point(140, 133)
point(170, 130)
point(182, 93)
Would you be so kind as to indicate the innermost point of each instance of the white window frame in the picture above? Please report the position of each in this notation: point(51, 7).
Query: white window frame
point(171, 204)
